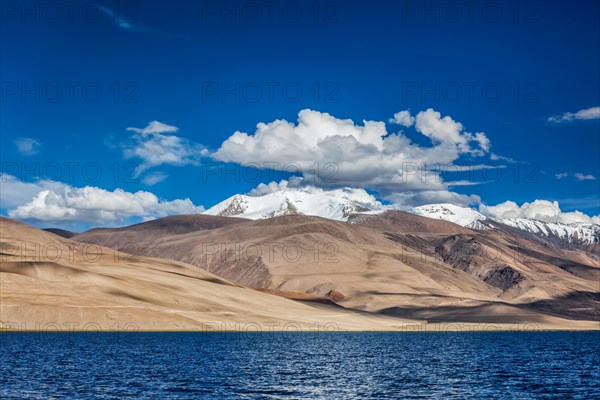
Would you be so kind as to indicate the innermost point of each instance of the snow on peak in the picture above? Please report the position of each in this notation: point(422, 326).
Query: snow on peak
point(334, 205)
point(578, 232)
point(288, 202)
point(463, 216)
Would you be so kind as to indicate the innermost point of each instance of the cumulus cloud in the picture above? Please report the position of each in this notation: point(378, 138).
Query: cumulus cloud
point(359, 196)
point(585, 114)
point(403, 118)
point(272, 187)
point(584, 177)
point(14, 192)
point(364, 155)
point(64, 203)
point(408, 200)
point(438, 129)
point(153, 147)
point(561, 175)
point(405, 200)
point(448, 132)
point(27, 146)
point(541, 210)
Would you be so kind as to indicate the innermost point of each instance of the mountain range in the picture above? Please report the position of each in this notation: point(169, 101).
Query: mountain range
point(318, 255)
point(305, 202)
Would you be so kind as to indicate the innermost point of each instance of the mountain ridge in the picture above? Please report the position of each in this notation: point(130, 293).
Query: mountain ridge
point(304, 202)
point(287, 202)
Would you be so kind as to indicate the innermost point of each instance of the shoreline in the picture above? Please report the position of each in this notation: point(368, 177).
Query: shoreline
point(431, 328)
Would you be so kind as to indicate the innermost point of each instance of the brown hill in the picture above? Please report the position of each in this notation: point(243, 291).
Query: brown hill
point(404, 222)
point(61, 232)
point(51, 283)
point(396, 263)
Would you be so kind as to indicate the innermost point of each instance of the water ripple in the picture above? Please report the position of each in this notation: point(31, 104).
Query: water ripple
point(490, 365)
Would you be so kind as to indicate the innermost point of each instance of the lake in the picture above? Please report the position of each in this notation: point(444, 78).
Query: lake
point(445, 365)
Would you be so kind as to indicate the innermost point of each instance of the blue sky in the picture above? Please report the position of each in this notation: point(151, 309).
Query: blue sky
point(74, 78)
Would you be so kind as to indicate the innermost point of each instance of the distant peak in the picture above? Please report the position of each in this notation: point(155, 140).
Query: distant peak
point(463, 216)
point(288, 202)
point(585, 233)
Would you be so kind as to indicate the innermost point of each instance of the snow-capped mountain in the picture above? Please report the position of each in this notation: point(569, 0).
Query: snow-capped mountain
point(326, 205)
point(463, 216)
point(584, 233)
point(287, 202)
point(573, 233)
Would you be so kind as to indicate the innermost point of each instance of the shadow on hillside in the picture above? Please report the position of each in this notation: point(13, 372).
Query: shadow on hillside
point(583, 306)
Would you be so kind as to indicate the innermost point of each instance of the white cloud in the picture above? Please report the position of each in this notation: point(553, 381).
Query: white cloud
point(58, 202)
point(584, 177)
point(408, 200)
point(403, 118)
point(448, 132)
point(561, 175)
point(154, 148)
point(404, 201)
point(467, 167)
point(465, 182)
point(153, 178)
point(359, 196)
point(482, 141)
point(496, 157)
point(271, 187)
point(364, 155)
point(542, 210)
point(154, 127)
point(14, 192)
point(585, 114)
point(27, 146)
point(442, 130)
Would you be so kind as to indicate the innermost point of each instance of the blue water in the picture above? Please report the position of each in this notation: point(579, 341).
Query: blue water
point(445, 365)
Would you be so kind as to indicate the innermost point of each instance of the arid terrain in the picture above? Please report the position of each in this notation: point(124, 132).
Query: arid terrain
point(374, 272)
point(51, 283)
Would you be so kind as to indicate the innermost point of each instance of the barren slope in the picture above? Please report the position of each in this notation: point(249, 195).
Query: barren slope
point(51, 283)
point(395, 264)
